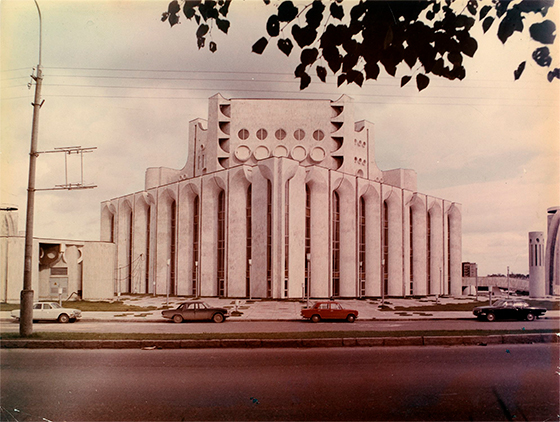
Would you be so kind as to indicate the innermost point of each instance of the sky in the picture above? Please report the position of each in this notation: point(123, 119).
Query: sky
point(118, 79)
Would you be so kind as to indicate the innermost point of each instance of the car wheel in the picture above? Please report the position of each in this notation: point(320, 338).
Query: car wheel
point(177, 318)
point(351, 318)
point(530, 317)
point(63, 318)
point(490, 317)
point(218, 318)
point(315, 318)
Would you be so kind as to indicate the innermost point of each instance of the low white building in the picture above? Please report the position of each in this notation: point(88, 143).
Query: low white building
point(76, 269)
point(278, 197)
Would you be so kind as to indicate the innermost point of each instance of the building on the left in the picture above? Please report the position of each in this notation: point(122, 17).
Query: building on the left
point(78, 269)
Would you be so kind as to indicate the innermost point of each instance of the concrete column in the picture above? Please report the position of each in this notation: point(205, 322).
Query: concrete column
point(296, 262)
point(436, 241)
point(393, 198)
point(237, 231)
point(187, 193)
point(455, 231)
point(317, 180)
point(123, 239)
point(345, 186)
point(419, 244)
point(537, 285)
point(212, 185)
point(140, 242)
point(259, 230)
point(371, 193)
point(165, 197)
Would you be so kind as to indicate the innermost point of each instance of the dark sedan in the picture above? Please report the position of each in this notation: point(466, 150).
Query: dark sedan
point(508, 309)
point(195, 311)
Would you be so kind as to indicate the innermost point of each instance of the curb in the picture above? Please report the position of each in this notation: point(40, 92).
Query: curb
point(285, 343)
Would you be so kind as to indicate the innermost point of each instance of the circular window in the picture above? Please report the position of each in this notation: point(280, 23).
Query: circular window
point(261, 152)
point(262, 134)
point(243, 152)
point(299, 134)
point(243, 134)
point(299, 153)
point(318, 154)
point(318, 135)
point(280, 151)
point(280, 134)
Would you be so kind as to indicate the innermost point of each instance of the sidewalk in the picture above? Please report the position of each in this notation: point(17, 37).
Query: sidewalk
point(279, 310)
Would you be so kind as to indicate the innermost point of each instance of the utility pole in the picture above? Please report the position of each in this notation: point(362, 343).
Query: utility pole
point(26, 298)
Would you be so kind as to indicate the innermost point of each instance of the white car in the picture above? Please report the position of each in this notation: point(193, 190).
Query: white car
point(51, 311)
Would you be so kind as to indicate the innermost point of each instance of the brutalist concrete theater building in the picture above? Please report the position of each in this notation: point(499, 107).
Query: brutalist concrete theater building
point(283, 199)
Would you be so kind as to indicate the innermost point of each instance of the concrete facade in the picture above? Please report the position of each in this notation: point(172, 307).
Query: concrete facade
point(552, 254)
point(280, 199)
point(80, 269)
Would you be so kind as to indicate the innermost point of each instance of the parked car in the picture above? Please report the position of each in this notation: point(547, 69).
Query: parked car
point(508, 309)
point(51, 311)
point(194, 311)
point(329, 310)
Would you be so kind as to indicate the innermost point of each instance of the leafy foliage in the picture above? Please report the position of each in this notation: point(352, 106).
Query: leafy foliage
point(432, 37)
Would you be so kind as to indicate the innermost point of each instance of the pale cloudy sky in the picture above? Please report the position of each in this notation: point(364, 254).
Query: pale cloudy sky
point(117, 78)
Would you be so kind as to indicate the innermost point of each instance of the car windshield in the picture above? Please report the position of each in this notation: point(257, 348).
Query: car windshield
point(499, 303)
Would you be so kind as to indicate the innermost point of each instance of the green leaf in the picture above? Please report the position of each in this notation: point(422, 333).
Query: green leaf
point(513, 21)
point(285, 45)
point(260, 45)
point(517, 73)
point(305, 80)
point(287, 12)
point(422, 81)
point(202, 30)
point(308, 56)
point(223, 25)
point(487, 23)
point(543, 32)
point(553, 74)
point(542, 56)
point(173, 19)
point(213, 46)
point(273, 26)
point(341, 79)
point(322, 73)
point(405, 80)
point(304, 36)
point(484, 11)
point(337, 11)
point(173, 7)
point(472, 5)
point(372, 70)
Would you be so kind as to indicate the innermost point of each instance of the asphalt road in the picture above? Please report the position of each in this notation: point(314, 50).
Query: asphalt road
point(232, 326)
point(493, 383)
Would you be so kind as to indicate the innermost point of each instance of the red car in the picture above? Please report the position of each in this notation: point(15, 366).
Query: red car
point(329, 310)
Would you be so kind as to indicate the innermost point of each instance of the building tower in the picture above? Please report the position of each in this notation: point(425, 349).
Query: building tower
point(552, 257)
point(536, 265)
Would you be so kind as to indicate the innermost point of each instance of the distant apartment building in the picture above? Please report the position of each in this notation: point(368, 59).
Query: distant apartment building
point(283, 199)
point(469, 269)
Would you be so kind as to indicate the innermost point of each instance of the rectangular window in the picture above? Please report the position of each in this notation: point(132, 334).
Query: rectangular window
point(362, 246)
point(307, 237)
point(195, 228)
point(221, 243)
point(428, 253)
point(287, 232)
point(269, 240)
point(336, 246)
point(249, 241)
point(385, 248)
point(148, 235)
point(411, 241)
point(173, 248)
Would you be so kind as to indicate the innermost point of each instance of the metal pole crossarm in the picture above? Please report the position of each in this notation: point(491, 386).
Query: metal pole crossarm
point(70, 186)
point(68, 150)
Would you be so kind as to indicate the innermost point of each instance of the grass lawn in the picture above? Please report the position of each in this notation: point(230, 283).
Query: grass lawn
point(85, 305)
point(268, 335)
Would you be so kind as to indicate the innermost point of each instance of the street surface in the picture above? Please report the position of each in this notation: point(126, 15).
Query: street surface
point(492, 383)
point(232, 326)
